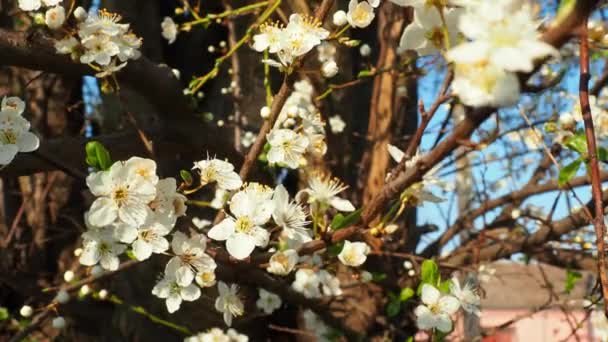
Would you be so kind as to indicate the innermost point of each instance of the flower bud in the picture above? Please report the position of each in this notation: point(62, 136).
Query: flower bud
point(26, 311)
point(329, 69)
point(58, 322)
point(339, 18)
point(265, 112)
point(80, 14)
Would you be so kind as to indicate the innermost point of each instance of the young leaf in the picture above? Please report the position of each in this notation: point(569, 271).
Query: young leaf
point(577, 143)
point(186, 176)
point(340, 221)
point(445, 286)
point(406, 293)
point(4, 314)
point(602, 154)
point(429, 272)
point(567, 172)
point(572, 278)
point(393, 308)
point(97, 156)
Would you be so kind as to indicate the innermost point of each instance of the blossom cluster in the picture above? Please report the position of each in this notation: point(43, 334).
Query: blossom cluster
point(54, 16)
point(15, 135)
point(501, 39)
point(101, 41)
point(298, 131)
point(300, 36)
point(133, 207)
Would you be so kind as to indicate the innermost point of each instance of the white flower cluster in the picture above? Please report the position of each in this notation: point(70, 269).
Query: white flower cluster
point(15, 136)
point(361, 14)
point(101, 42)
point(316, 284)
point(301, 35)
point(132, 207)
point(54, 17)
point(436, 308)
point(568, 121)
point(251, 209)
point(502, 39)
point(218, 335)
point(298, 130)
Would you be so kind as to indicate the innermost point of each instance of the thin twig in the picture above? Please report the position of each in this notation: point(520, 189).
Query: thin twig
point(596, 184)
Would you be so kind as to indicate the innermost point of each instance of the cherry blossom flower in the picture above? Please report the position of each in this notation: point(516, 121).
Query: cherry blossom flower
point(243, 232)
point(290, 216)
point(100, 246)
point(336, 124)
point(189, 257)
point(435, 310)
point(353, 253)
point(146, 239)
point(426, 33)
point(222, 172)
point(54, 17)
point(268, 301)
point(323, 190)
point(174, 293)
point(468, 297)
point(29, 5)
point(286, 147)
point(120, 195)
point(360, 14)
point(169, 29)
point(282, 262)
point(228, 302)
point(14, 131)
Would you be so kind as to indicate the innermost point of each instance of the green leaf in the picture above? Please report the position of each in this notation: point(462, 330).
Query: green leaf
point(186, 176)
point(4, 315)
point(565, 8)
point(97, 156)
point(406, 293)
point(567, 172)
point(377, 276)
point(429, 272)
point(365, 73)
point(410, 339)
point(577, 143)
point(602, 154)
point(444, 286)
point(393, 308)
point(335, 249)
point(572, 278)
point(340, 221)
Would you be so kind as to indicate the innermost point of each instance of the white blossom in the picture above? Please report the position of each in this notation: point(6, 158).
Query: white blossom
point(426, 33)
point(290, 216)
point(174, 293)
point(100, 246)
point(360, 14)
point(29, 5)
point(14, 131)
point(58, 322)
point(189, 258)
point(282, 262)
point(468, 297)
point(329, 69)
point(435, 310)
point(336, 124)
point(146, 239)
point(268, 301)
point(286, 147)
point(222, 172)
point(54, 17)
point(323, 190)
point(353, 253)
point(228, 302)
point(243, 232)
point(121, 194)
point(80, 13)
point(169, 29)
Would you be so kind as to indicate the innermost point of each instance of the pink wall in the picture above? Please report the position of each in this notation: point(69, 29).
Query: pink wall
point(544, 326)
